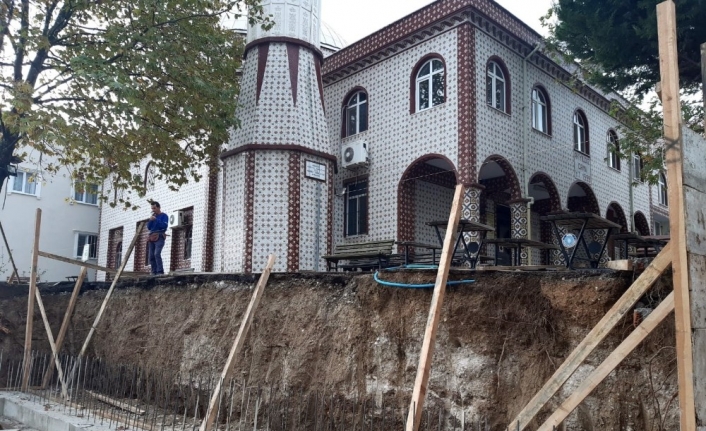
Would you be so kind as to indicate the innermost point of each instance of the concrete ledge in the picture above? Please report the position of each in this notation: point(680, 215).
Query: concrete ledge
point(43, 417)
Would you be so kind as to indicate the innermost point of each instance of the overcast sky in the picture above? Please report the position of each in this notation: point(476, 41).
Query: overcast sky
point(355, 19)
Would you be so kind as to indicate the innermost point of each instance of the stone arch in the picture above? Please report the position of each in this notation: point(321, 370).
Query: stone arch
point(509, 178)
point(582, 199)
point(641, 225)
point(553, 200)
point(437, 171)
point(616, 214)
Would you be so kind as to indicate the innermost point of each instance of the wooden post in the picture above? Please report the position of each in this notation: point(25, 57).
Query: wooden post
point(210, 416)
point(597, 334)
point(416, 406)
point(30, 303)
point(82, 263)
point(9, 253)
point(54, 352)
point(107, 298)
point(669, 70)
point(611, 362)
point(65, 325)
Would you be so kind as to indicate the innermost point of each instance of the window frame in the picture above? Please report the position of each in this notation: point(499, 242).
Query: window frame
point(415, 80)
point(613, 142)
point(539, 89)
point(637, 165)
point(84, 193)
point(78, 251)
point(188, 241)
point(505, 79)
point(362, 225)
point(580, 124)
point(26, 174)
point(662, 190)
point(355, 92)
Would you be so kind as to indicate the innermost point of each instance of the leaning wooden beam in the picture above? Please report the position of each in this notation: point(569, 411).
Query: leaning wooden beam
point(119, 404)
point(65, 325)
point(416, 405)
point(678, 211)
point(15, 273)
point(107, 298)
point(611, 362)
point(597, 334)
point(30, 303)
point(54, 352)
point(86, 264)
point(213, 407)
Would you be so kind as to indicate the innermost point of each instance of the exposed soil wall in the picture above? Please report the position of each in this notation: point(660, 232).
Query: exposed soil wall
point(499, 340)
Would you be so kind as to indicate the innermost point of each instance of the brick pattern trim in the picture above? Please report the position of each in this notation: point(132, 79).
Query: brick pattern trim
point(277, 147)
point(281, 39)
point(294, 215)
point(587, 203)
point(211, 216)
point(320, 81)
point(263, 52)
point(616, 214)
point(466, 105)
point(513, 182)
point(249, 210)
point(293, 59)
point(554, 198)
point(329, 209)
point(641, 225)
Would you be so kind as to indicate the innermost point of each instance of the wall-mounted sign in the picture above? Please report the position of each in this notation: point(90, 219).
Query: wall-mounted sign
point(315, 171)
point(582, 167)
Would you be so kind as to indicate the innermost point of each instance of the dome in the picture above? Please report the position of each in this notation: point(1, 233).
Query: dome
point(330, 40)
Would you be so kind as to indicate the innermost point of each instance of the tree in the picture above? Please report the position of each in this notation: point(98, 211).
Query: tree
point(101, 85)
point(616, 40)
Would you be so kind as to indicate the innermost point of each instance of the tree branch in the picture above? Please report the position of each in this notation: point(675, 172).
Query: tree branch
point(20, 48)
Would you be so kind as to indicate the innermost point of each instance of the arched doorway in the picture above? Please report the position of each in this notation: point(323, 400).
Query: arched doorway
point(546, 199)
point(582, 199)
point(425, 193)
point(501, 203)
point(641, 225)
point(616, 214)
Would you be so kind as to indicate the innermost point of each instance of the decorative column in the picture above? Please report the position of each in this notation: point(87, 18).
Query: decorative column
point(520, 220)
point(471, 209)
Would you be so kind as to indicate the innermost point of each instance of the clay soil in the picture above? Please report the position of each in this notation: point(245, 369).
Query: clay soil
point(499, 339)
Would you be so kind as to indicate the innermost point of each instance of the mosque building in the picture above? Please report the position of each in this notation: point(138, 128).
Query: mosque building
point(341, 144)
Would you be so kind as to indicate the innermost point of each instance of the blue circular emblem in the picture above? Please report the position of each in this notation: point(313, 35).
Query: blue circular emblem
point(569, 240)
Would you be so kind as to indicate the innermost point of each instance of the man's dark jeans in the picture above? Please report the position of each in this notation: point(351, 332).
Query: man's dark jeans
point(154, 251)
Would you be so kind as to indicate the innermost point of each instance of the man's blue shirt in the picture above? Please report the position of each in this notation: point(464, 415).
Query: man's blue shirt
point(159, 225)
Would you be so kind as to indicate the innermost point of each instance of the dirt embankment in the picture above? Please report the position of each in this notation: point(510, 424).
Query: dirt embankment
point(499, 340)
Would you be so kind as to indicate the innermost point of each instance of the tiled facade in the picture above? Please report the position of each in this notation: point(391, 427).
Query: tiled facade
point(291, 113)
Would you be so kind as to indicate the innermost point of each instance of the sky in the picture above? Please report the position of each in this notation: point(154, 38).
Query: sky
point(355, 19)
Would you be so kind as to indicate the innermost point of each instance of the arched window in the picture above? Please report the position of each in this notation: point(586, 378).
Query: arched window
point(580, 132)
point(613, 150)
point(540, 111)
point(662, 187)
point(430, 85)
point(356, 113)
point(497, 89)
point(150, 174)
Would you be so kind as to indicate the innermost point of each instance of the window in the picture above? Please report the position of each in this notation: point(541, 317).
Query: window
point(580, 132)
point(496, 87)
point(540, 110)
point(636, 167)
point(187, 242)
point(118, 255)
point(613, 150)
point(662, 188)
point(86, 193)
point(661, 228)
point(430, 85)
point(86, 238)
point(357, 208)
point(150, 174)
point(356, 114)
point(26, 183)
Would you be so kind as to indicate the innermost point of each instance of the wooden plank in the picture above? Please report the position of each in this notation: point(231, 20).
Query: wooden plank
point(416, 405)
point(669, 71)
point(620, 265)
point(119, 404)
point(107, 298)
point(597, 334)
point(65, 325)
point(520, 268)
point(27, 361)
point(610, 363)
point(9, 253)
point(47, 327)
point(87, 264)
point(212, 411)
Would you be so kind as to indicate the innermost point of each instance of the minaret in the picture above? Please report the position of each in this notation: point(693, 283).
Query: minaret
point(277, 181)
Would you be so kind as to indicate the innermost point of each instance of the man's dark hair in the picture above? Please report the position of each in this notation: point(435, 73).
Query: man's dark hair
point(155, 203)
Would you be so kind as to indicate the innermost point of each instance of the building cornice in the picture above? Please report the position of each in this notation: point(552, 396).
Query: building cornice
point(290, 40)
point(278, 147)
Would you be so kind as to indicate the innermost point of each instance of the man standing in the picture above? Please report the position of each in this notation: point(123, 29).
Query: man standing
point(157, 226)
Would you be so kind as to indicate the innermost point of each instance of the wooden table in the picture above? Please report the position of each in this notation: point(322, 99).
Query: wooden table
point(411, 244)
point(518, 244)
point(471, 250)
point(582, 222)
point(637, 241)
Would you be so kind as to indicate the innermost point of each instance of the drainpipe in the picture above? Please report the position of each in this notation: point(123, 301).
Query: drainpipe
point(631, 175)
point(526, 107)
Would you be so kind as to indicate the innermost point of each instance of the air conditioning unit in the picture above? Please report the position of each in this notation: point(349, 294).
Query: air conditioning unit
point(176, 219)
point(354, 154)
